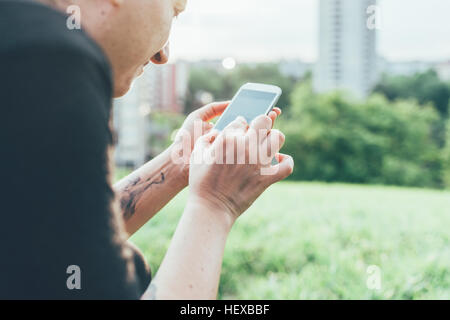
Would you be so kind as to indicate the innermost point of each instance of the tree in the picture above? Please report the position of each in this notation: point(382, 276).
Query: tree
point(424, 87)
point(334, 138)
point(446, 157)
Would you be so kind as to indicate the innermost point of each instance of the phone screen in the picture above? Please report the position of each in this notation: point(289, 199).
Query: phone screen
point(248, 104)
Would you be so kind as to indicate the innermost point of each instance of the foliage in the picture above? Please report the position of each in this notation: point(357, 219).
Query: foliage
point(446, 157)
point(315, 241)
point(333, 138)
point(424, 87)
point(395, 140)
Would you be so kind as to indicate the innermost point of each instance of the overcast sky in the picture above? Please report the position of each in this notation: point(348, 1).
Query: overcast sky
point(261, 30)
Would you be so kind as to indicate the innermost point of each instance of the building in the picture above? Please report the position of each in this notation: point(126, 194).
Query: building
point(403, 68)
point(443, 70)
point(295, 69)
point(347, 47)
point(160, 88)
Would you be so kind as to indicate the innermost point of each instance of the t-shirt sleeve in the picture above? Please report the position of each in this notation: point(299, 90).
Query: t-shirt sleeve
point(63, 235)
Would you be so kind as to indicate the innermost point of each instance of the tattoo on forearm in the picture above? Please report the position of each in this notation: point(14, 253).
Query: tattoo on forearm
point(133, 192)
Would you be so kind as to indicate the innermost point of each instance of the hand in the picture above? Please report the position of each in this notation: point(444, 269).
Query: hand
point(222, 184)
point(196, 125)
point(200, 118)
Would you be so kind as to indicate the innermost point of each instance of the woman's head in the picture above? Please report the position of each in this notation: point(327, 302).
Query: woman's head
point(131, 32)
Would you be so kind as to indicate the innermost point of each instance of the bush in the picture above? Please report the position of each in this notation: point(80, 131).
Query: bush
point(425, 87)
point(446, 158)
point(333, 138)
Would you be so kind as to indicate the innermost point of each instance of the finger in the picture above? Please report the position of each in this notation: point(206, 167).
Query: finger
point(212, 110)
point(275, 141)
point(273, 115)
point(284, 168)
point(262, 122)
point(206, 127)
point(207, 139)
point(238, 126)
point(261, 127)
point(202, 150)
point(270, 147)
point(226, 145)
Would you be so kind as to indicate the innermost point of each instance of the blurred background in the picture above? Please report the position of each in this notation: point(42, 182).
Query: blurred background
point(366, 88)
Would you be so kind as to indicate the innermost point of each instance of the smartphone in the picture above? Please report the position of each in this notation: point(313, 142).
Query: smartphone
point(251, 101)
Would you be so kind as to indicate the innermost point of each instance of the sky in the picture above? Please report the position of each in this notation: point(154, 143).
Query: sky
point(265, 30)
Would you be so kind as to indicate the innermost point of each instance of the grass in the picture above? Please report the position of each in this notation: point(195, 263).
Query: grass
point(315, 241)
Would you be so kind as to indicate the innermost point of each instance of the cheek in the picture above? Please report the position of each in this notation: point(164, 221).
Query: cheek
point(158, 26)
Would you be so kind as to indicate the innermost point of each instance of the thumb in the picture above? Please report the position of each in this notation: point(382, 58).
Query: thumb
point(212, 110)
point(280, 171)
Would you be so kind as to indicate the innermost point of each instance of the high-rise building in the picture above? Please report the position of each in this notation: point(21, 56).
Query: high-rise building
point(443, 70)
point(347, 47)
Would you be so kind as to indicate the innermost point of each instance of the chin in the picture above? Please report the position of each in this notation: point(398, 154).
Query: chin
point(121, 90)
point(123, 87)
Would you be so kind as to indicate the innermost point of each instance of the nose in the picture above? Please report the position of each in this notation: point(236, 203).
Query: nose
point(162, 56)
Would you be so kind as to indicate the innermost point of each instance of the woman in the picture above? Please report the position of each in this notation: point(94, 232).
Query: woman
point(65, 225)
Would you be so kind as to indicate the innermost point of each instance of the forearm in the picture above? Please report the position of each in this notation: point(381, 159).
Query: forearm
point(192, 265)
point(148, 189)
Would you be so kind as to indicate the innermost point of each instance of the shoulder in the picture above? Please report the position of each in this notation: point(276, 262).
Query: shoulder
point(38, 33)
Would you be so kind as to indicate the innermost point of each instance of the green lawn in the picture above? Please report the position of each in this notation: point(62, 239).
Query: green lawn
point(315, 241)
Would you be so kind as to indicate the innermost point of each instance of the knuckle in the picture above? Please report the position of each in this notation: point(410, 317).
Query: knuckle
point(267, 121)
point(262, 120)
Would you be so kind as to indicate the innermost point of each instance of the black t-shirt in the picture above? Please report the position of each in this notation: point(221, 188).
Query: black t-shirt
point(55, 197)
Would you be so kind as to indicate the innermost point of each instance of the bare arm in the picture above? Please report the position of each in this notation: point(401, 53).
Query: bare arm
point(192, 265)
point(219, 194)
point(147, 190)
